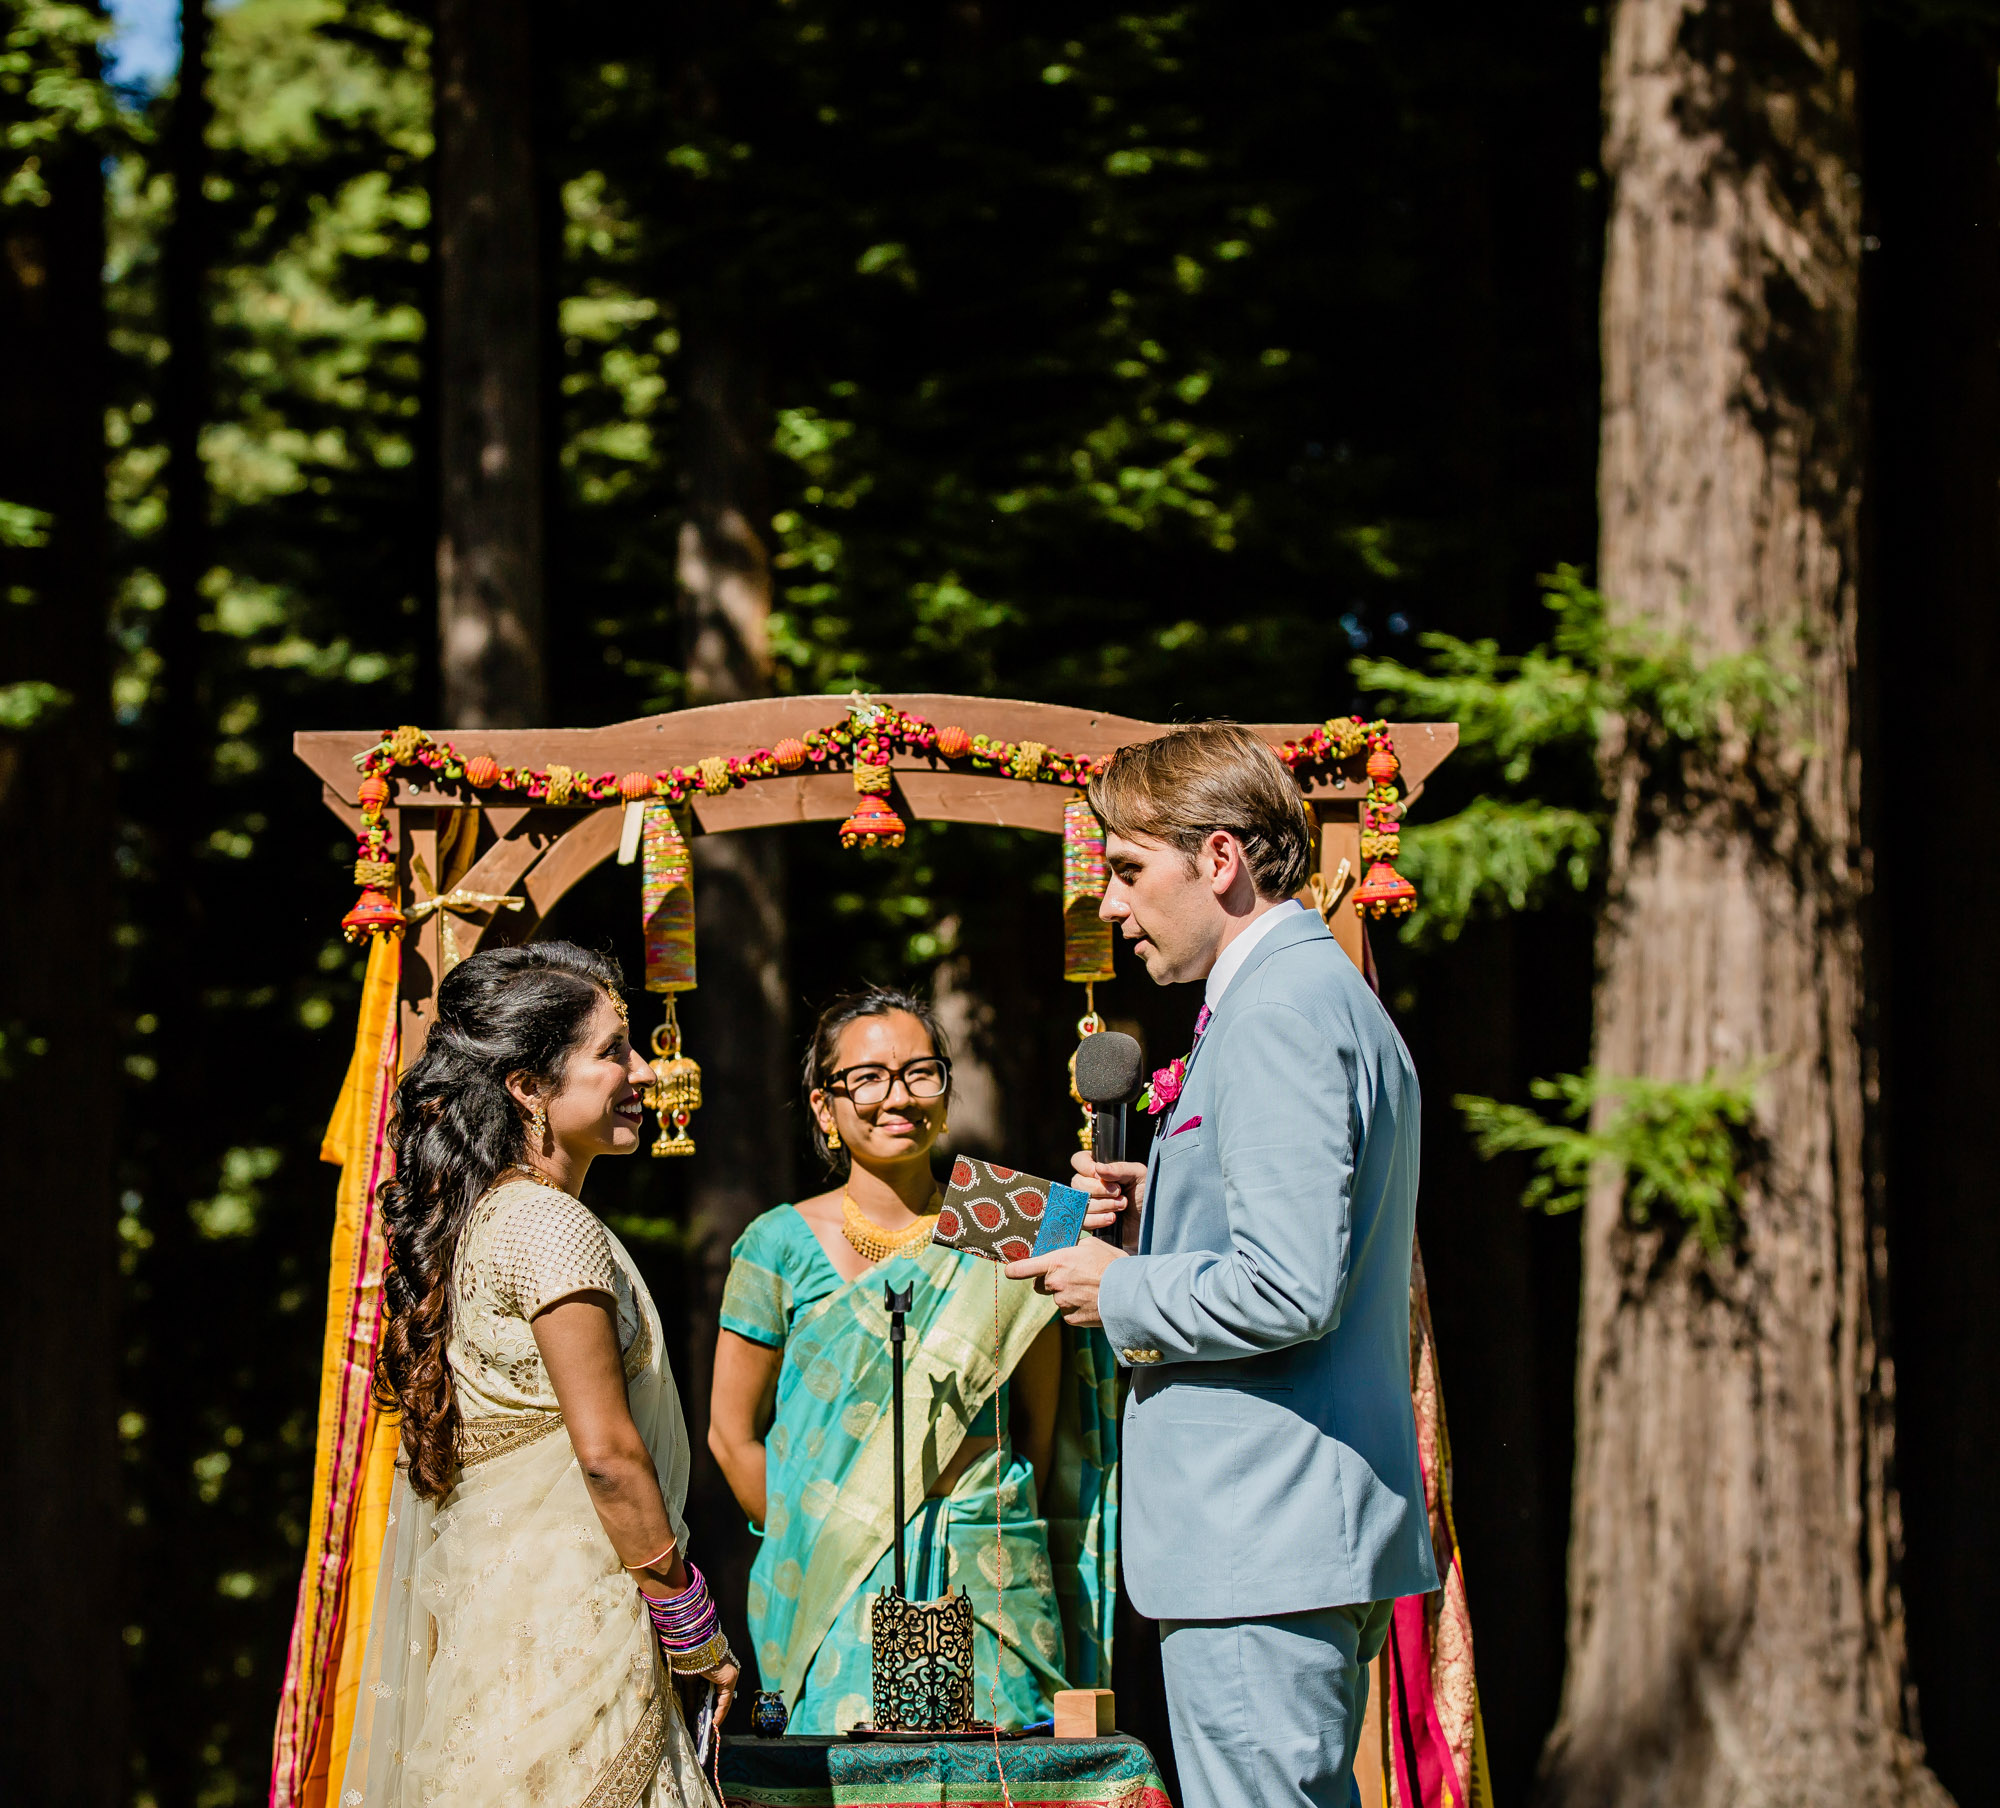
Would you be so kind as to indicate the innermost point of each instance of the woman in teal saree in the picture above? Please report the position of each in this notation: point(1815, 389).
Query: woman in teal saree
point(800, 1416)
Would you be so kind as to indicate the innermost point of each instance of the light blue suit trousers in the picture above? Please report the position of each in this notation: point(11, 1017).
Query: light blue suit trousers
point(1270, 1711)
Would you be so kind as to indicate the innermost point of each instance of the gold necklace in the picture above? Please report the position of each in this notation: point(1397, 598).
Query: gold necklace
point(527, 1173)
point(874, 1244)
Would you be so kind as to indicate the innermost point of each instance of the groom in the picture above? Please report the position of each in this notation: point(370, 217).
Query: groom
point(1274, 1508)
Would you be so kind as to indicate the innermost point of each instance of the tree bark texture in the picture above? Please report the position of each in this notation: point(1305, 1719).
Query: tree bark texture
point(175, 963)
point(491, 526)
point(1736, 1632)
point(739, 1018)
point(62, 1663)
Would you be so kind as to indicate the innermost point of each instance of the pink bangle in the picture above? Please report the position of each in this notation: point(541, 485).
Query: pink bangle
point(655, 1557)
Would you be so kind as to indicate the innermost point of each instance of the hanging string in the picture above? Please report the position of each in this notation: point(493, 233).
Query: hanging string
point(999, 1553)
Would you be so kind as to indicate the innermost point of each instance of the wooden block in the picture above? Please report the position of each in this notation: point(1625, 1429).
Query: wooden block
point(1085, 1713)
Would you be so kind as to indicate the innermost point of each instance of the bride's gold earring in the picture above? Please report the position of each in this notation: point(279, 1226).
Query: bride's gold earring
point(832, 1140)
point(538, 1127)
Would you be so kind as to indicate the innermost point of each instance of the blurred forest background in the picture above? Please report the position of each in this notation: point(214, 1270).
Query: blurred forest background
point(1206, 361)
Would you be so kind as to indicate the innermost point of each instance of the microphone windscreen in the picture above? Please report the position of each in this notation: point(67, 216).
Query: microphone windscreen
point(1107, 1068)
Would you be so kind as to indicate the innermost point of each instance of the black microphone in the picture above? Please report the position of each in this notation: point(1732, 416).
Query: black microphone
point(1108, 1066)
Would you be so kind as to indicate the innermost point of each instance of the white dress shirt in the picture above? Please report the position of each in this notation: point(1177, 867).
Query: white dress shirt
point(1231, 959)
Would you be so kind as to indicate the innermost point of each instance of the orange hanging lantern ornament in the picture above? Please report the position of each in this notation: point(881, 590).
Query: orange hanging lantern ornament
point(874, 822)
point(374, 913)
point(1385, 892)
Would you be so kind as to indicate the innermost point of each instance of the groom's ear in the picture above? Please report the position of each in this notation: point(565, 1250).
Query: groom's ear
point(1221, 860)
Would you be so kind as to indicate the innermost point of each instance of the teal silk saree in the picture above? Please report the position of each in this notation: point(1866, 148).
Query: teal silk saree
point(1042, 1589)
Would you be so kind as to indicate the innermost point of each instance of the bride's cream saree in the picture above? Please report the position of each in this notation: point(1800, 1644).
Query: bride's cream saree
point(510, 1663)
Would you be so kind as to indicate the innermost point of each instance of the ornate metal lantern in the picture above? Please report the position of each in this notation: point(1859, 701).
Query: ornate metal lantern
point(675, 1093)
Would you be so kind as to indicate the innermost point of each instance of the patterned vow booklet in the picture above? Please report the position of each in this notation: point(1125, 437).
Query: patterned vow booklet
point(1005, 1215)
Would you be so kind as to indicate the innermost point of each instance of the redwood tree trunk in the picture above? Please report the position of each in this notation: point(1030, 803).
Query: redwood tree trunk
point(489, 325)
point(738, 1020)
point(1736, 1633)
point(62, 1661)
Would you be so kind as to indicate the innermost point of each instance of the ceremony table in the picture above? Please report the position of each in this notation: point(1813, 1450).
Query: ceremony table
point(821, 1771)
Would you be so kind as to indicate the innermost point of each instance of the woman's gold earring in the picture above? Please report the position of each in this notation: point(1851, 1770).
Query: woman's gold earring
point(832, 1141)
point(538, 1127)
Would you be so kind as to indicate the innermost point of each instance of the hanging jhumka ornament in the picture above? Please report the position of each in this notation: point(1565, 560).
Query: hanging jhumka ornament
point(666, 893)
point(1086, 935)
point(1384, 892)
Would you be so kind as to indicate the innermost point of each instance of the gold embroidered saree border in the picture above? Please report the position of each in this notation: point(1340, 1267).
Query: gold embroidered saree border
point(481, 1440)
point(626, 1778)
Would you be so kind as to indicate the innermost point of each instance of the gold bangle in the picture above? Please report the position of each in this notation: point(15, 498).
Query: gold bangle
point(708, 1656)
point(656, 1556)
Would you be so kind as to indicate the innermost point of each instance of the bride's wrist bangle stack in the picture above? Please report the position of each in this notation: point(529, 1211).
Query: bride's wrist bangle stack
point(689, 1628)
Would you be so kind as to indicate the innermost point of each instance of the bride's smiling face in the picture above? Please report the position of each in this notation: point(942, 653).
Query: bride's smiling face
point(897, 1126)
point(598, 1109)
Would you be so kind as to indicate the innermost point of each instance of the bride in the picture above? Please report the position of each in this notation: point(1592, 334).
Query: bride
point(535, 1601)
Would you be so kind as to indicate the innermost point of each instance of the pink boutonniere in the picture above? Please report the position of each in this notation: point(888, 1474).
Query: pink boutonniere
point(1165, 1087)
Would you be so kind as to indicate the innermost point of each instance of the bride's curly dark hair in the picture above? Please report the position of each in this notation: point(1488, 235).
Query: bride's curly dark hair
point(457, 1129)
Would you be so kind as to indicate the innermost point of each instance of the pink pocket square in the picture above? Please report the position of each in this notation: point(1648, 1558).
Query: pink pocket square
point(1193, 1123)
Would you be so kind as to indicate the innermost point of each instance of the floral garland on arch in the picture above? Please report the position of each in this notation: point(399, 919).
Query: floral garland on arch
point(863, 741)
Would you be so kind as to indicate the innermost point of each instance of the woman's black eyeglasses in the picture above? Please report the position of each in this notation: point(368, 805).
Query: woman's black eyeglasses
point(925, 1079)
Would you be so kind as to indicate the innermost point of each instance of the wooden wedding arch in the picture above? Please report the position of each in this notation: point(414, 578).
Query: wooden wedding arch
point(537, 851)
point(489, 861)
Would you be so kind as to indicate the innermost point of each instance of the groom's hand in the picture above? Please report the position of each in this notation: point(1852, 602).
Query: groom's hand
point(1113, 1187)
point(1070, 1277)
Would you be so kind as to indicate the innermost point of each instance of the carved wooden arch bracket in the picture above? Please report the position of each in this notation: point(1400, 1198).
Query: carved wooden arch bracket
point(540, 851)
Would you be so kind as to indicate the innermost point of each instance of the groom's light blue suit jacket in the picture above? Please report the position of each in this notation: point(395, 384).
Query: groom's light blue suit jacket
point(1270, 1453)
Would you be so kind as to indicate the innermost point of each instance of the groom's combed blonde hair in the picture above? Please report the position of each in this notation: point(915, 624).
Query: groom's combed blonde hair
point(1206, 776)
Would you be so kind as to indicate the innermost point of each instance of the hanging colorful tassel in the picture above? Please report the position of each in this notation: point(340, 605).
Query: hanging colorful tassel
point(1385, 892)
point(666, 900)
point(1086, 935)
point(666, 903)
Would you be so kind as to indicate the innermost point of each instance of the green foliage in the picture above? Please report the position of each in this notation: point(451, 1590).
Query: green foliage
point(24, 704)
point(1494, 853)
point(1556, 704)
point(1563, 696)
point(1678, 1144)
point(50, 93)
point(23, 526)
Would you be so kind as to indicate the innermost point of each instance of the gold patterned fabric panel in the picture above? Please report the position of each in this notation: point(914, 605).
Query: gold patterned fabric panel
point(629, 1775)
point(524, 1246)
point(482, 1440)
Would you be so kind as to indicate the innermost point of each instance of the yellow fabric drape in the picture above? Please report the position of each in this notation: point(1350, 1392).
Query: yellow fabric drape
point(354, 1454)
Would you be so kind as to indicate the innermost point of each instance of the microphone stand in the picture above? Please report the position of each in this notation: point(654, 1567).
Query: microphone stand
point(897, 1303)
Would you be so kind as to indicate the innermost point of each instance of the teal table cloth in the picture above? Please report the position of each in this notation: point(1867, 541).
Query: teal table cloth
point(803, 1770)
